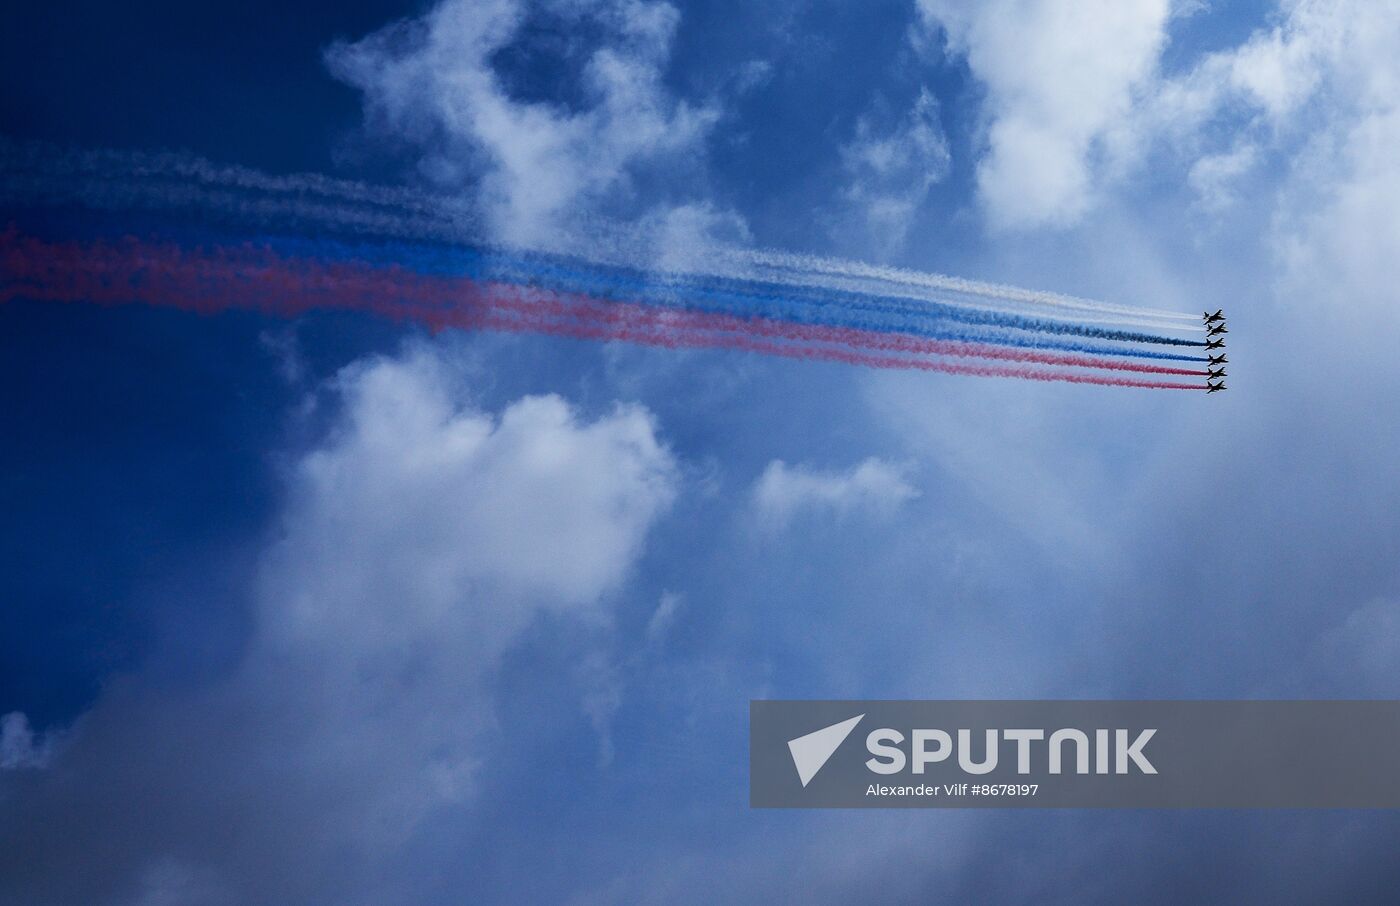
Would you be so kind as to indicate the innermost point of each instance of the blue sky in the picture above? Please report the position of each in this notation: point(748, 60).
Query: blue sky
point(338, 611)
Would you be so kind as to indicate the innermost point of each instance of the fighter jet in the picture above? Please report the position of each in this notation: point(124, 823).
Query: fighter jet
point(1211, 388)
point(1216, 330)
point(1218, 360)
point(1215, 374)
point(1211, 318)
point(1215, 344)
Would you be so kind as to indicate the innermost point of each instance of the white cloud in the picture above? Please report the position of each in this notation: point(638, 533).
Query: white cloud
point(19, 746)
point(1319, 93)
point(1251, 94)
point(1076, 102)
point(782, 490)
point(1213, 177)
point(1058, 76)
point(168, 882)
point(1320, 90)
point(680, 236)
point(664, 618)
point(1337, 231)
point(418, 543)
point(752, 75)
point(440, 501)
point(423, 540)
point(284, 347)
point(890, 171)
point(432, 80)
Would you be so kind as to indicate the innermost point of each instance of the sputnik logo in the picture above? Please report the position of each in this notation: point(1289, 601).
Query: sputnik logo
point(811, 752)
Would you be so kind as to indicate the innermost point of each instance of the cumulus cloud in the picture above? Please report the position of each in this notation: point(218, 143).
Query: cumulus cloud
point(1077, 103)
point(436, 81)
point(1319, 90)
point(417, 545)
point(1058, 77)
point(1316, 94)
point(890, 170)
point(783, 491)
point(1255, 93)
point(541, 503)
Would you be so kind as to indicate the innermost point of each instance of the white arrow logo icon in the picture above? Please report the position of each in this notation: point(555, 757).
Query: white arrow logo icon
point(810, 752)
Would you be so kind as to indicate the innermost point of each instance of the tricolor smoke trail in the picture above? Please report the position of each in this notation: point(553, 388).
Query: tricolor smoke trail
point(398, 255)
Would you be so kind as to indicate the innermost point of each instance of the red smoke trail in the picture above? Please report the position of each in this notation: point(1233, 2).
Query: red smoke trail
point(246, 276)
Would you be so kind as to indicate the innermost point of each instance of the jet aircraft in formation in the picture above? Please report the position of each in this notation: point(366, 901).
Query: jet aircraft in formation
point(1215, 339)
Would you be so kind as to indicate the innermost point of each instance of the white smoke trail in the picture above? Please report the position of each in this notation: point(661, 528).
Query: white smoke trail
point(952, 290)
point(814, 264)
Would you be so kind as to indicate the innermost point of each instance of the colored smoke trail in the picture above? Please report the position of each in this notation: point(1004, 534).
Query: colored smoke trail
point(744, 300)
point(248, 276)
point(685, 339)
point(310, 203)
point(812, 305)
